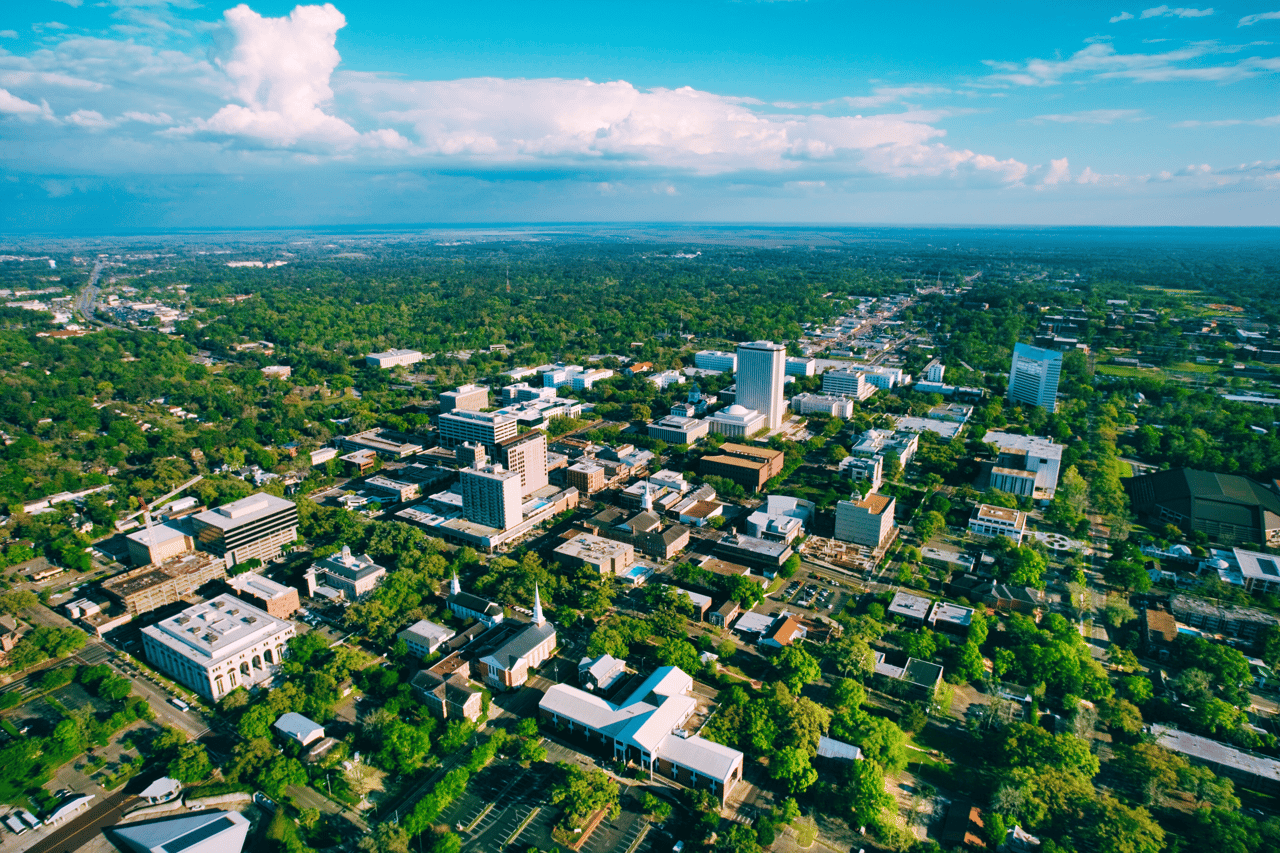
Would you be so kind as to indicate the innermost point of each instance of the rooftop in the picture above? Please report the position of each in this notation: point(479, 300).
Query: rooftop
point(243, 511)
point(873, 503)
point(259, 586)
point(1033, 444)
point(215, 629)
point(987, 512)
point(906, 604)
point(1216, 753)
point(156, 534)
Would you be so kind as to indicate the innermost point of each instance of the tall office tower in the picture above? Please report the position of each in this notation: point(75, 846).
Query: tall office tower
point(527, 456)
point(491, 496)
point(1033, 376)
point(761, 370)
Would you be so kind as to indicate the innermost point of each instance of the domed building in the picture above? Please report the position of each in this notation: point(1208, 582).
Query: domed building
point(737, 421)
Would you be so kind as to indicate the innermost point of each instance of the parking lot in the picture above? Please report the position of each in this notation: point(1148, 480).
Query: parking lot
point(506, 807)
point(815, 593)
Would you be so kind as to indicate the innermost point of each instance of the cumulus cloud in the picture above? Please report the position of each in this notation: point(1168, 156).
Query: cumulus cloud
point(90, 120)
point(8, 34)
point(1166, 12)
point(11, 104)
point(1093, 117)
point(1250, 20)
point(1123, 16)
point(148, 118)
point(1088, 176)
point(74, 4)
point(1059, 173)
point(280, 69)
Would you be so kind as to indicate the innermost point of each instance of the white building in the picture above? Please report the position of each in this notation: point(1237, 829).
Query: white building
point(492, 495)
point(882, 442)
point(256, 527)
point(647, 727)
point(737, 421)
point(781, 519)
point(354, 576)
point(526, 455)
point(761, 375)
point(465, 398)
point(934, 371)
point(573, 375)
point(801, 366)
point(708, 359)
point(199, 832)
point(487, 428)
point(868, 469)
point(299, 729)
point(865, 521)
point(1253, 570)
point(423, 637)
point(822, 404)
point(523, 392)
point(218, 646)
point(393, 358)
point(666, 379)
point(603, 555)
point(1028, 465)
point(157, 543)
point(847, 383)
point(674, 429)
point(988, 520)
point(1033, 376)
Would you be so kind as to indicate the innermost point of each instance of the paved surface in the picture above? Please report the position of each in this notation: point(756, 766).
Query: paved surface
point(79, 830)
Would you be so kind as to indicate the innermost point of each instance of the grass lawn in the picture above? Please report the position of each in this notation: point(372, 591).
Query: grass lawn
point(1191, 367)
point(1130, 372)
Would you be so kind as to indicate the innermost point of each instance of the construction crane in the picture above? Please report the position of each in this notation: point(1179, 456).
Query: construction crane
point(146, 509)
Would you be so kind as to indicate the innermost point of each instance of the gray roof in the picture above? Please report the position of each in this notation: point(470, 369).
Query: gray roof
point(832, 748)
point(1213, 752)
point(204, 832)
point(521, 643)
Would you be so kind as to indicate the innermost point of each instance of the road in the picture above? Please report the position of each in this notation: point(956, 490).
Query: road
point(309, 798)
point(82, 828)
point(88, 295)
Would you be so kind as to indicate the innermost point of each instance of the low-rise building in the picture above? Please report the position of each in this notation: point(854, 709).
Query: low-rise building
point(277, 599)
point(913, 609)
point(605, 556)
point(823, 404)
point(765, 555)
point(387, 443)
point(1245, 624)
point(951, 618)
point(724, 615)
point(786, 629)
point(446, 688)
point(586, 476)
point(464, 605)
point(781, 519)
point(601, 673)
point(864, 469)
point(393, 358)
point(217, 646)
point(157, 543)
point(394, 490)
point(150, 587)
point(523, 647)
point(1247, 770)
point(992, 521)
point(916, 679)
point(675, 429)
point(647, 727)
point(721, 362)
point(737, 421)
point(423, 637)
point(1253, 570)
point(299, 729)
point(354, 576)
point(748, 466)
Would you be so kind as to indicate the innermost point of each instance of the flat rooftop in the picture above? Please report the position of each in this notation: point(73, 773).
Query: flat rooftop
point(259, 586)
point(987, 512)
point(243, 511)
point(875, 504)
point(1031, 444)
point(906, 604)
point(215, 629)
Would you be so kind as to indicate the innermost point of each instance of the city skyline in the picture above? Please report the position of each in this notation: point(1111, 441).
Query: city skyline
point(155, 114)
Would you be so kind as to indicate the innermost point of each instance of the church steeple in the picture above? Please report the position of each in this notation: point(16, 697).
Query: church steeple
point(454, 586)
point(538, 618)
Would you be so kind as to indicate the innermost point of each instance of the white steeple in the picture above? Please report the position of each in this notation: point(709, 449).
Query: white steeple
point(538, 618)
point(454, 586)
point(646, 500)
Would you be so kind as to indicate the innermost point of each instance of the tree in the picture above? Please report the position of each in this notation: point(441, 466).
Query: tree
point(1117, 612)
point(17, 601)
point(967, 664)
point(796, 668)
point(850, 655)
point(929, 524)
point(792, 767)
point(191, 764)
point(859, 792)
point(385, 838)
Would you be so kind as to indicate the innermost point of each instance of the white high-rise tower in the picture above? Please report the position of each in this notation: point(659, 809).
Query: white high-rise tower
point(1033, 376)
point(762, 369)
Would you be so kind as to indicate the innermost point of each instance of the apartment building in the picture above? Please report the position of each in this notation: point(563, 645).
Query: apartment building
point(465, 398)
point(257, 527)
point(487, 428)
point(865, 521)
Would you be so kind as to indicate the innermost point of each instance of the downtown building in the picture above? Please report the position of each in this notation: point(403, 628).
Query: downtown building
point(253, 528)
point(761, 374)
point(1033, 376)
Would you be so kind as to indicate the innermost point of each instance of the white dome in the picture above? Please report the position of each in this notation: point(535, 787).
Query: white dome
point(1181, 550)
point(1220, 564)
point(736, 409)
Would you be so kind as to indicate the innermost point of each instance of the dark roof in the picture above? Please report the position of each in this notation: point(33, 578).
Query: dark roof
point(1203, 496)
point(922, 672)
point(674, 532)
point(474, 603)
point(643, 522)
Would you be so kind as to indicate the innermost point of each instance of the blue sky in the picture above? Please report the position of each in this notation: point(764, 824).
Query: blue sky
point(145, 114)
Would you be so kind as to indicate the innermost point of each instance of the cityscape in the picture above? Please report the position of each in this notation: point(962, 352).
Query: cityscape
point(715, 427)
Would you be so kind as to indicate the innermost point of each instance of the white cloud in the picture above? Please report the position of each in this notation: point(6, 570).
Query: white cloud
point(1250, 20)
point(25, 78)
point(149, 118)
point(1059, 173)
point(1088, 176)
point(1166, 12)
point(13, 105)
point(1123, 16)
point(280, 69)
point(53, 25)
point(8, 34)
point(74, 4)
point(1101, 61)
point(1094, 117)
point(90, 120)
point(1269, 121)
